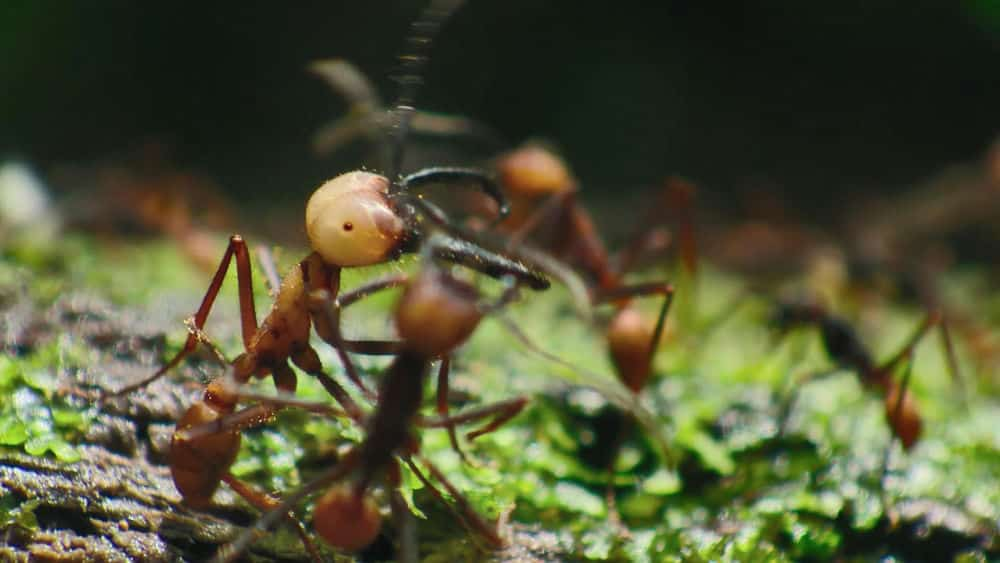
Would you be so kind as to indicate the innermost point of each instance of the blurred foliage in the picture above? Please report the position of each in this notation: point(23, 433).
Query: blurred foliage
point(816, 99)
point(739, 489)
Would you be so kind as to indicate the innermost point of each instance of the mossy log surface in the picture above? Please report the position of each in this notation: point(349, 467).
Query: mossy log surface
point(91, 484)
point(118, 502)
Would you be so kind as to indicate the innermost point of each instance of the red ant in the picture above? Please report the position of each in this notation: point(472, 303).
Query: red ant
point(435, 314)
point(544, 194)
point(356, 219)
point(844, 347)
point(367, 117)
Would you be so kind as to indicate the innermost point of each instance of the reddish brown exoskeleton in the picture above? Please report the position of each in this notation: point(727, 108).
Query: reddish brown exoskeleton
point(435, 314)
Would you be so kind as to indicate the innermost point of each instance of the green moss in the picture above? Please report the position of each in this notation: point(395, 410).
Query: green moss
point(739, 488)
point(32, 417)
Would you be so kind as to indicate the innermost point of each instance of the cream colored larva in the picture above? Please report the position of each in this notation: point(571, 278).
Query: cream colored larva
point(350, 222)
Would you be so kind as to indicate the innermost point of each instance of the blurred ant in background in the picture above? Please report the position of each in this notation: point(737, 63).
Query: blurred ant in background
point(145, 193)
point(546, 210)
point(368, 118)
point(844, 347)
point(544, 195)
point(942, 220)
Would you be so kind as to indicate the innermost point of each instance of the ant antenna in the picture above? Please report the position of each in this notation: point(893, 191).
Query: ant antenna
point(409, 77)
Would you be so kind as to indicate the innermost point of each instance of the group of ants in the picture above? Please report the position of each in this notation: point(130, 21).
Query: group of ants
point(362, 218)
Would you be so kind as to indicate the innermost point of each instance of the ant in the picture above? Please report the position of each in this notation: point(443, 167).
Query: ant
point(198, 467)
point(145, 193)
point(544, 195)
point(367, 116)
point(844, 346)
point(542, 192)
point(356, 219)
point(435, 314)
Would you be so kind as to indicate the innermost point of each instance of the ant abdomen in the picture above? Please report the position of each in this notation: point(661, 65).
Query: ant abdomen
point(347, 519)
point(904, 418)
point(350, 221)
point(198, 465)
point(436, 300)
point(533, 171)
point(628, 336)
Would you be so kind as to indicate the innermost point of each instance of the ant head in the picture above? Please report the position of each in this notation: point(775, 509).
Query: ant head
point(350, 221)
point(532, 170)
point(437, 312)
point(347, 519)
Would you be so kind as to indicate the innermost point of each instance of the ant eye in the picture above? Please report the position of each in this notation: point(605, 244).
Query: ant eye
point(350, 222)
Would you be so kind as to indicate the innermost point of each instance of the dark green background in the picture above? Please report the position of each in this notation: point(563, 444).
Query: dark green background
point(813, 98)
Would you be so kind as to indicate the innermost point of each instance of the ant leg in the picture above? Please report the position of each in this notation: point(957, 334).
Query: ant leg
point(256, 415)
point(577, 241)
point(643, 290)
point(897, 407)
point(406, 534)
point(793, 384)
point(610, 497)
point(932, 319)
point(265, 259)
point(264, 502)
point(237, 250)
point(230, 388)
point(325, 312)
point(233, 551)
point(442, 405)
point(502, 411)
point(949, 350)
point(463, 511)
point(556, 205)
point(347, 298)
point(649, 241)
point(308, 360)
point(678, 197)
